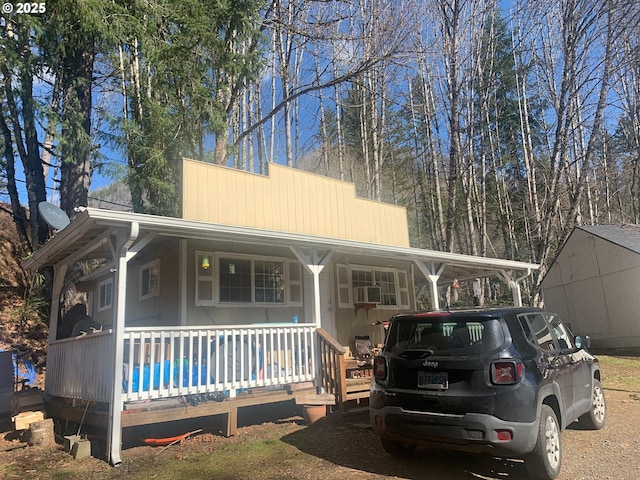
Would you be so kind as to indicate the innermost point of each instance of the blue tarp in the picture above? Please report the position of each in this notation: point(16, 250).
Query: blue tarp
point(23, 370)
point(146, 376)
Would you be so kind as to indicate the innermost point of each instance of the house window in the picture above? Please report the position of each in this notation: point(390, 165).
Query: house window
point(204, 281)
point(269, 281)
point(393, 284)
point(105, 295)
point(258, 280)
point(150, 280)
point(235, 280)
point(386, 280)
point(344, 289)
point(295, 283)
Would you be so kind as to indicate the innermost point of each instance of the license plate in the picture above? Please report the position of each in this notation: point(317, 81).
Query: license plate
point(433, 380)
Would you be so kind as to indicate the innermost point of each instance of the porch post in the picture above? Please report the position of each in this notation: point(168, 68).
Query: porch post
point(432, 272)
point(315, 266)
point(514, 284)
point(114, 428)
point(315, 270)
point(59, 272)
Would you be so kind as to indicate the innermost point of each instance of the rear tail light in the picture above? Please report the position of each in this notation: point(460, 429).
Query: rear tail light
point(504, 435)
point(506, 372)
point(380, 368)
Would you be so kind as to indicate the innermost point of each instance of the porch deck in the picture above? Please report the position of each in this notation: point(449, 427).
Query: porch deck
point(230, 368)
point(173, 409)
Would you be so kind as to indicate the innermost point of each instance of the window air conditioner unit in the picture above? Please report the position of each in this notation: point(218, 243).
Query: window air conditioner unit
point(370, 294)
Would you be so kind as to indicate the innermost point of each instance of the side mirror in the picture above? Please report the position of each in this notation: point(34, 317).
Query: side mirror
point(583, 341)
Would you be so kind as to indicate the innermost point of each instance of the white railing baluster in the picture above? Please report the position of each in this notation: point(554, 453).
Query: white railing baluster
point(163, 362)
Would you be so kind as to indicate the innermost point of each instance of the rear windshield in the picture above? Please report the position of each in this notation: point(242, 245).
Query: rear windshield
point(444, 335)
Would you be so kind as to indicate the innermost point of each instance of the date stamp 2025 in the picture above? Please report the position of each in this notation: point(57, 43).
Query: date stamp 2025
point(24, 8)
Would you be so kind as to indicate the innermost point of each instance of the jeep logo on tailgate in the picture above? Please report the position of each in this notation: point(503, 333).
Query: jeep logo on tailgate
point(427, 363)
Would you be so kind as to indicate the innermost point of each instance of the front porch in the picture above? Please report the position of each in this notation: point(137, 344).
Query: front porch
point(192, 310)
point(181, 373)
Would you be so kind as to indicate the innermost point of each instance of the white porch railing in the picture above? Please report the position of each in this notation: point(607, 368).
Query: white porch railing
point(78, 367)
point(163, 362)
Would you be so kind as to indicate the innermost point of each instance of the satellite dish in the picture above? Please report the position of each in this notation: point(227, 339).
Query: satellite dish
point(54, 216)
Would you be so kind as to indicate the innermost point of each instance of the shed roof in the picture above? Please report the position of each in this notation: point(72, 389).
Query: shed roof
point(624, 235)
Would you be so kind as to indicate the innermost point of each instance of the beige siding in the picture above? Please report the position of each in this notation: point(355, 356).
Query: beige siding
point(579, 260)
point(553, 277)
point(588, 303)
point(613, 258)
point(595, 285)
point(622, 293)
point(289, 200)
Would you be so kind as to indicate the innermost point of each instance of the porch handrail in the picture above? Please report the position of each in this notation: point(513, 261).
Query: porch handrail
point(162, 362)
point(76, 367)
point(333, 372)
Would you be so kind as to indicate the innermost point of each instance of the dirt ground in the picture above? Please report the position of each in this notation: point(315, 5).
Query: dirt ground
point(344, 448)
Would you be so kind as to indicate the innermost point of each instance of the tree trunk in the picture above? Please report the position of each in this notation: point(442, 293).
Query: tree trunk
point(75, 162)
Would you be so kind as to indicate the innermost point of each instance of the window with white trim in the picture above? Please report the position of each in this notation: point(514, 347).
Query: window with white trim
point(386, 280)
point(393, 284)
point(403, 289)
point(149, 280)
point(258, 280)
point(294, 281)
point(105, 295)
point(204, 281)
point(344, 287)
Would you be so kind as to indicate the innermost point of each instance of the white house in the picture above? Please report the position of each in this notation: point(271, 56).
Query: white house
point(254, 295)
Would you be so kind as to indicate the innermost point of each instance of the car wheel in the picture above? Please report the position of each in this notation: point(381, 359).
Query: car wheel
point(398, 449)
point(595, 417)
point(546, 458)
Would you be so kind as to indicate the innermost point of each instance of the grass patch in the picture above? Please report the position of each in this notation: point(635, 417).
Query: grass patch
point(234, 461)
point(622, 373)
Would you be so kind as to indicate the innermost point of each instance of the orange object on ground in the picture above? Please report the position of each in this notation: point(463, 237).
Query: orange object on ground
point(159, 442)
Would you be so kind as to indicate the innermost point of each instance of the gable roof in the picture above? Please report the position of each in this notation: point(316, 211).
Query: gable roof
point(624, 235)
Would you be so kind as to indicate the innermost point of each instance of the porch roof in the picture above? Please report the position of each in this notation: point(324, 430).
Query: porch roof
point(89, 232)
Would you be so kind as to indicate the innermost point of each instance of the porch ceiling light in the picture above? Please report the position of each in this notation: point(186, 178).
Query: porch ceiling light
point(205, 262)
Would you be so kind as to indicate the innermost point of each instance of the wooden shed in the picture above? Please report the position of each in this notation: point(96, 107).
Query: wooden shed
point(594, 284)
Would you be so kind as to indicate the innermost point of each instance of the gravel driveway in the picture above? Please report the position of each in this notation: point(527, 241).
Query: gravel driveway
point(611, 453)
point(341, 449)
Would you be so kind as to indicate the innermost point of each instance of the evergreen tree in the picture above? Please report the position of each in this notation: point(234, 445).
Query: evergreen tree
point(180, 73)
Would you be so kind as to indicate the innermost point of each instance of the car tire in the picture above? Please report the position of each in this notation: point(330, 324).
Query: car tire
point(595, 418)
point(546, 458)
point(398, 449)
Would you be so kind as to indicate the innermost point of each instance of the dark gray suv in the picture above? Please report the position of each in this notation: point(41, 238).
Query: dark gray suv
point(501, 381)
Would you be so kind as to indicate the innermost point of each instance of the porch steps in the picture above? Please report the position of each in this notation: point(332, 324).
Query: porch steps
point(312, 398)
point(358, 388)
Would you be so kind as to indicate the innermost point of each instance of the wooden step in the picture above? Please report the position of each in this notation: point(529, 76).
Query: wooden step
point(358, 388)
point(312, 398)
point(357, 384)
point(357, 395)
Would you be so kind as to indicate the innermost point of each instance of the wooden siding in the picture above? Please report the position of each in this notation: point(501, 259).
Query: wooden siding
point(593, 284)
point(289, 200)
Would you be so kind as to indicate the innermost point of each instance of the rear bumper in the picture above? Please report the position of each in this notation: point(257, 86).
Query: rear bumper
point(469, 432)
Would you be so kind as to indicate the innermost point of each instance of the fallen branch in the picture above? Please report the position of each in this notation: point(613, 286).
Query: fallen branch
point(15, 447)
